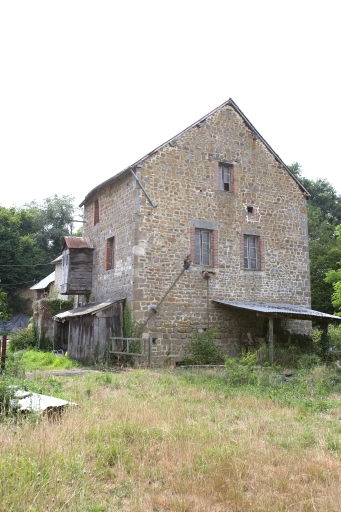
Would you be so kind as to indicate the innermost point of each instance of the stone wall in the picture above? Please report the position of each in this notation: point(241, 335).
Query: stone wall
point(181, 179)
point(152, 243)
point(116, 219)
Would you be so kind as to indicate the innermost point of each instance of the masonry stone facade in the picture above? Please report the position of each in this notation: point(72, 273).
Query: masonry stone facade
point(218, 193)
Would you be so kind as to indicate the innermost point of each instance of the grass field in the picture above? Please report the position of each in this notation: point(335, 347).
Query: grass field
point(178, 441)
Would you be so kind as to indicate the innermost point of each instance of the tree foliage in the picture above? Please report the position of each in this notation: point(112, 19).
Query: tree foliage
point(324, 214)
point(30, 238)
point(3, 306)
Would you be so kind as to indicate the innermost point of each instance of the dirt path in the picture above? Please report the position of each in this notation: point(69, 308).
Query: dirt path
point(60, 373)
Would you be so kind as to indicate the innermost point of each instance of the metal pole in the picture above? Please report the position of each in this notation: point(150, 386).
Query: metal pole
point(271, 339)
point(208, 306)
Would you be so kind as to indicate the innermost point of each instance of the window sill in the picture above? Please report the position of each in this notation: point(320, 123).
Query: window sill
point(204, 268)
point(244, 271)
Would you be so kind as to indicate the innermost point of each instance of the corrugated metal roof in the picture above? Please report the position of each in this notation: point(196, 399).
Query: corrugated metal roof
point(44, 282)
point(280, 309)
point(76, 242)
point(34, 402)
point(89, 309)
point(230, 103)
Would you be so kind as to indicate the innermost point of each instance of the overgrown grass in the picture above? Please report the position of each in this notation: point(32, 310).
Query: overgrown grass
point(38, 360)
point(189, 440)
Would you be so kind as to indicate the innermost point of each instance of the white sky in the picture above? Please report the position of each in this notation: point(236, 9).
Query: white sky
point(87, 88)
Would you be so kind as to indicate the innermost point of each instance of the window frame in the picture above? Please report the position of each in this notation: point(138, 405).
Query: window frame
point(225, 177)
point(251, 261)
point(96, 211)
point(259, 252)
point(110, 259)
point(199, 247)
point(231, 179)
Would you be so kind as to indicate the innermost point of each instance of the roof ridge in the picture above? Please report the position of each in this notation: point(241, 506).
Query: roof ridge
point(248, 123)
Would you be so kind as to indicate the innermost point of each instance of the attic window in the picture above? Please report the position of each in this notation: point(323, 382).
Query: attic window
point(225, 176)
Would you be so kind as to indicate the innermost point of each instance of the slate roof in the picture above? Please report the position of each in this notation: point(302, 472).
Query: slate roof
point(281, 310)
point(230, 103)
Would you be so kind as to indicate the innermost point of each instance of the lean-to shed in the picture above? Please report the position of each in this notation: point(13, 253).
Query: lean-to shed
point(90, 327)
point(77, 258)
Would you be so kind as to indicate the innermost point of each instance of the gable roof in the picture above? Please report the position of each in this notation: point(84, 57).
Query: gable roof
point(230, 103)
point(44, 282)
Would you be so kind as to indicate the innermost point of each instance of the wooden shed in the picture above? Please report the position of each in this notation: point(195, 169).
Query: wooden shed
point(77, 263)
point(87, 330)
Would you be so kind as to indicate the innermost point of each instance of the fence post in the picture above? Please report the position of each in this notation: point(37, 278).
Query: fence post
point(3, 351)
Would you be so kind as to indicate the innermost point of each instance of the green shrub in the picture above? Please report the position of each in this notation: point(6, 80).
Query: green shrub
point(56, 306)
point(22, 339)
point(306, 361)
point(29, 338)
point(239, 371)
point(6, 395)
point(203, 349)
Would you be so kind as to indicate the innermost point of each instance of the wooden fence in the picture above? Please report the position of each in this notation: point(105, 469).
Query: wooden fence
point(121, 347)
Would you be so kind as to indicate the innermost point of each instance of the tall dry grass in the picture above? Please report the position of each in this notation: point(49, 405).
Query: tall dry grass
point(145, 441)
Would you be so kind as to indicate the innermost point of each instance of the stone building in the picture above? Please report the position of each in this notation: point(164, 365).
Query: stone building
point(209, 229)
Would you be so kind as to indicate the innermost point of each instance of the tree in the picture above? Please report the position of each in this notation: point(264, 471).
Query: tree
point(324, 213)
point(333, 276)
point(18, 247)
point(3, 306)
point(31, 237)
point(52, 220)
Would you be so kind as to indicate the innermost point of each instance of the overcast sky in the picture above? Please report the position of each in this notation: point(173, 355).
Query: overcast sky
point(87, 88)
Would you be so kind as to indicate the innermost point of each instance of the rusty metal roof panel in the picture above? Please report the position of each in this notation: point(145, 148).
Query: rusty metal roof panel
point(89, 309)
point(76, 242)
point(281, 309)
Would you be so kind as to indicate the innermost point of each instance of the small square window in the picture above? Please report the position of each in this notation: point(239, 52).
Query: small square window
point(250, 209)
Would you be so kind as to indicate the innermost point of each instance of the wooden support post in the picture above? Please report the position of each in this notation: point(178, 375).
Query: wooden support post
point(271, 339)
point(150, 341)
point(3, 351)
